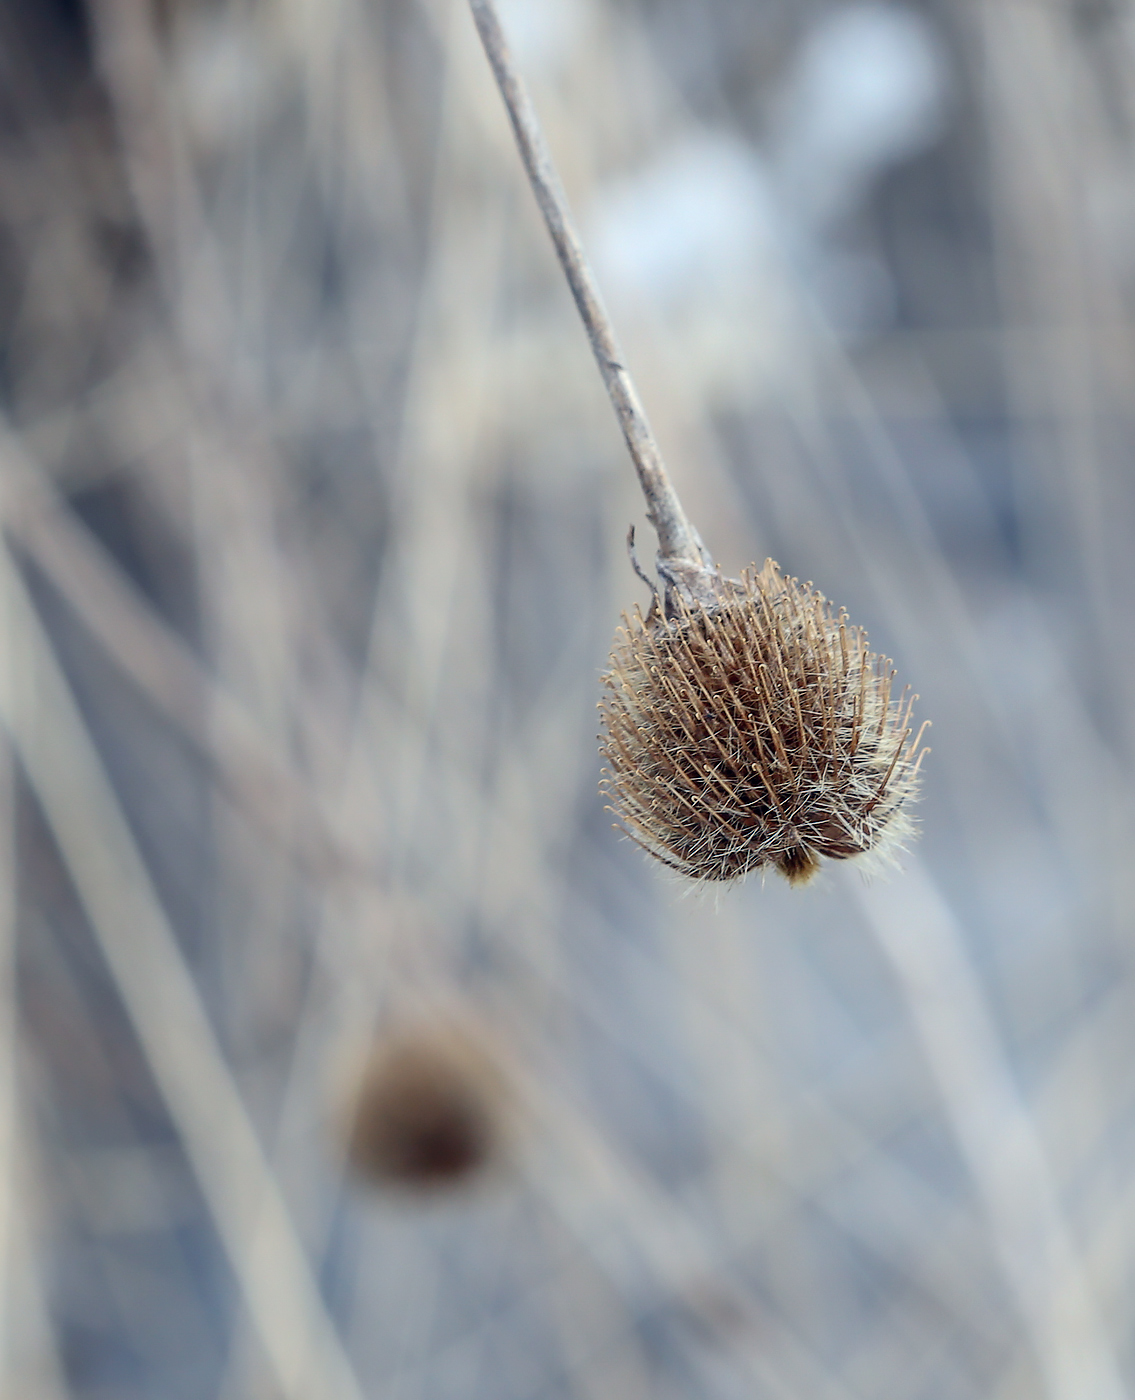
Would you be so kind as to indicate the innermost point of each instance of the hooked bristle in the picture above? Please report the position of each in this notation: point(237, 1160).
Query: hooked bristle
point(757, 731)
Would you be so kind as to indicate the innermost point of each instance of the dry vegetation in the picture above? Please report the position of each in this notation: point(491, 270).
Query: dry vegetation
point(758, 732)
point(313, 537)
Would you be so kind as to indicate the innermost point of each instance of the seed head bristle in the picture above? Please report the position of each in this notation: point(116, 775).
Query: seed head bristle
point(756, 731)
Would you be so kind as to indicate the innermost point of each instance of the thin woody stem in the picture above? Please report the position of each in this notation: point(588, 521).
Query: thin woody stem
point(677, 538)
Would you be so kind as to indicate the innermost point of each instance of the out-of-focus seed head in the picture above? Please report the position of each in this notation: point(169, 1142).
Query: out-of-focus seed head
point(428, 1111)
point(756, 731)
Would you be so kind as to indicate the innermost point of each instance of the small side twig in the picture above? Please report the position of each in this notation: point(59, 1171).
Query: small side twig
point(678, 540)
point(636, 566)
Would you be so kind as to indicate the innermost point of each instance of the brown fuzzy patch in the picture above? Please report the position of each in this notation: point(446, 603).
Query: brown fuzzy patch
point(427, 1113)
point(759, 732)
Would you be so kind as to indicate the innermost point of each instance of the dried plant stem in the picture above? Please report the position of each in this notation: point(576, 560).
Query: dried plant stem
point(715, 782)
point(677, 538)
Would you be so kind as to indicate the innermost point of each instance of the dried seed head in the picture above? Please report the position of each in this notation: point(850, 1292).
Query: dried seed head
point(757, 730)
point(428, 1111)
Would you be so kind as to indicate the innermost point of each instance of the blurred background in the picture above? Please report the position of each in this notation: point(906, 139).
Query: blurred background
point(313, 548)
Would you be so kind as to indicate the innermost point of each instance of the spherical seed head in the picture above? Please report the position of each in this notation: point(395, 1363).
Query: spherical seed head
point(428, 1111)
point(756, 731)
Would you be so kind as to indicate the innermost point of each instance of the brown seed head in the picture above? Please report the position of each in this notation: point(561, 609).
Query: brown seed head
point(428, 1112)
point(756, 731)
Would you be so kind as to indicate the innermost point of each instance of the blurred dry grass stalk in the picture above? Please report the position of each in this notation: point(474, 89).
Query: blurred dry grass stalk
point(313, 517)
